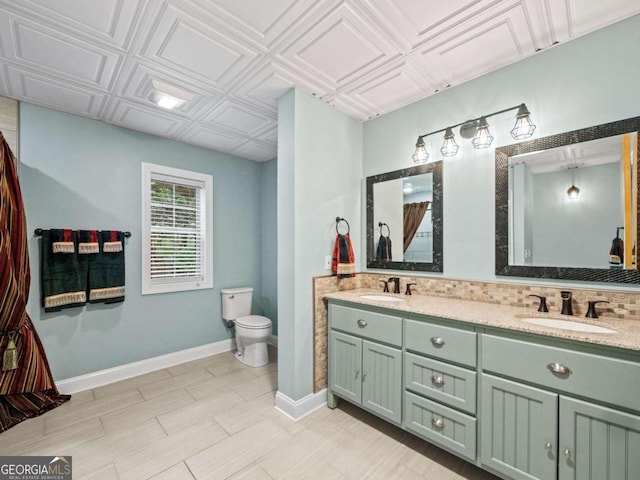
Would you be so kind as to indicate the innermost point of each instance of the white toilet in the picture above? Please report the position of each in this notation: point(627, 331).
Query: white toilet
point(252, 331)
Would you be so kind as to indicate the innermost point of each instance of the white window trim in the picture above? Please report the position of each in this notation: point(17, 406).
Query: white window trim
point(148, 287)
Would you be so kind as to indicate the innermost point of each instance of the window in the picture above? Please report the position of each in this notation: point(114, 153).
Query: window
point(177, 231)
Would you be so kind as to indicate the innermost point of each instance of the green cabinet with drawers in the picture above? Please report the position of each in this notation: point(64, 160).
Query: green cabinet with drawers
point(365, 372)
point(522, 406)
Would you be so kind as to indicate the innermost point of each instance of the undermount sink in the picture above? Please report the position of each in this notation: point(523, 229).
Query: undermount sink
point(567, 325)
point(381, 298)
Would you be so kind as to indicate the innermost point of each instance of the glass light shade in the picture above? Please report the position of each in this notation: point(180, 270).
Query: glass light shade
point(524, 127)
point(420, 155)
point(449, 147)
point(573, 192)
point(483, 136)
point(165, 101)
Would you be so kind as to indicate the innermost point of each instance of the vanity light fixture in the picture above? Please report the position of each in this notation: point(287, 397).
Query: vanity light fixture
point(573, 192)
point(478, 130)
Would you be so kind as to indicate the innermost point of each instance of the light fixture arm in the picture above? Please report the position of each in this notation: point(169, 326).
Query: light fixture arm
point(522, 105)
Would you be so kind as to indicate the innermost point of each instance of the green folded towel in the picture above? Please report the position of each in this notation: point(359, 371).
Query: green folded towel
point(106, 269)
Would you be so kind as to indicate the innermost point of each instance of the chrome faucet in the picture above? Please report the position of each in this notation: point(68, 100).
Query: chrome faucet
point(396, 284)
point(566, 303)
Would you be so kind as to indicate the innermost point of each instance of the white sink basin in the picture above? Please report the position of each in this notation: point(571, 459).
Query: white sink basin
point(567, 325)
point(381, 298)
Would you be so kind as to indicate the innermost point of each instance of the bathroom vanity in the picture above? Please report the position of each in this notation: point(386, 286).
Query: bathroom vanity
point(520, 400)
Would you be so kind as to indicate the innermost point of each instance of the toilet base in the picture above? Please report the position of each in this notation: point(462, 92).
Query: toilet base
point(253, 355)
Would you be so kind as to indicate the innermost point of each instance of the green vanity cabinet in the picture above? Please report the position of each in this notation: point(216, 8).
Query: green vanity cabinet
point(367, 373)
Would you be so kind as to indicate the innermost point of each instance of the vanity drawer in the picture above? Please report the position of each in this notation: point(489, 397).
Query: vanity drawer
point(451, 385)
point(441, 425)
point(597, 377)
point(441, 342)
point(375, 326)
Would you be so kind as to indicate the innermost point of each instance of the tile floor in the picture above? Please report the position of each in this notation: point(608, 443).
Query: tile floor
point(214, 419)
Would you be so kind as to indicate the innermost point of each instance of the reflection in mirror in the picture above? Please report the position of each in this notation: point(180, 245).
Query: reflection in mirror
point(574, 206)
point(404, 219)
point(567, 205)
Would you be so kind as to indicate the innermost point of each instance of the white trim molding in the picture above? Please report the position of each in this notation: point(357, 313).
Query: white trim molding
point(297, 409)
point(122, 372)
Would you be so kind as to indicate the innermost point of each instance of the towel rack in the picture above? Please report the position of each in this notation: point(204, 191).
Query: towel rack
point(340, 219)
point(38, 232)
point(381, 224)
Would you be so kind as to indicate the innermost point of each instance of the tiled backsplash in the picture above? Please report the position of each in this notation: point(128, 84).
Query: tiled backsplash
point(622, 304)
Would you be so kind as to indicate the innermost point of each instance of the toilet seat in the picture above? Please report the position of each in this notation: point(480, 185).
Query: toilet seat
point(253, 322)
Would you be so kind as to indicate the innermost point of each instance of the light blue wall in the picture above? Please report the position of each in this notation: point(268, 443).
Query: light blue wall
point(319, 178)
point(588, 81)
point(269, 252)
point(80, 173)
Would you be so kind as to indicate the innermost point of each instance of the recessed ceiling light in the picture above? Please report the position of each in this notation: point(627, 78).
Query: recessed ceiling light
point(165, 101)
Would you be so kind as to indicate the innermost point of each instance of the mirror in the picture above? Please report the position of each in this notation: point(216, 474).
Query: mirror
point(541, 232)
point(404, 219)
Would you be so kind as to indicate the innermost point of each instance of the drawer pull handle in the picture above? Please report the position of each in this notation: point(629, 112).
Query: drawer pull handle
point(364, 375)
point(438, 341)
point(362, 323)
point(567, 453)
point(438, 380)
point(357, 373)
point(559, 368)
point(437, 422)
point(548, 446)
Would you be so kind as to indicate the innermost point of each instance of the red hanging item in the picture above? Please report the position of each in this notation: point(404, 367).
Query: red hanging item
point(27, 388)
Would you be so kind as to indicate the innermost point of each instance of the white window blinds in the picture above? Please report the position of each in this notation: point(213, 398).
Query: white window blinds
point(176, 230)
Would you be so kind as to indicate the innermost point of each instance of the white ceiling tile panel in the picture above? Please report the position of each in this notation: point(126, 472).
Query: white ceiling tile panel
point(55, 94)
point(148, 120)
point(183, 43)
point(233, 59)
point(27, 43)
point(111, 21)
point(340, 48)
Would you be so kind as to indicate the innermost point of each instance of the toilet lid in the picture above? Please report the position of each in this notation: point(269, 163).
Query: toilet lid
point(253, 321)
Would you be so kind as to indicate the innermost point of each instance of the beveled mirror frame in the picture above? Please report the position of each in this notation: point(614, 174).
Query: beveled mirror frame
point(436, 219)
point(503, 268)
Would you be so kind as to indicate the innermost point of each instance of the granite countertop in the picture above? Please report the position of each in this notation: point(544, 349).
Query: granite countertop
point(627, 334)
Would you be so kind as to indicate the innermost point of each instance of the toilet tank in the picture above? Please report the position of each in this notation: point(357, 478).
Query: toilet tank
point(236, 302)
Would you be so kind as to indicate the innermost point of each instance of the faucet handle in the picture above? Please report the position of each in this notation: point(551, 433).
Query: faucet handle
point(543, 303)
point(591, 311)
point(408, 289)
point(386, 286)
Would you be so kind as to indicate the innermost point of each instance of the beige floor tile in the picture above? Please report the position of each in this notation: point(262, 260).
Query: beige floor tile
point(71, 413)
point(82, 397)
point(252, 472)
point(108, 448)
point(247, 414)
point(169, 451)
point(131, 383)
point(213, 385)
point(237, 451)
point(266, 370)
point(108, 472)
point(258, 386)
point(157, 389)
point(62, 442)
point(229, 365)
point(193, 413)
point(177, 472)
point(142, 411)
point(26, 431)
point(201, 363)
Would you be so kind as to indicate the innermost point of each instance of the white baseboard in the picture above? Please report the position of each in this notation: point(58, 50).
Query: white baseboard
point(296, 409)
point(122, 372)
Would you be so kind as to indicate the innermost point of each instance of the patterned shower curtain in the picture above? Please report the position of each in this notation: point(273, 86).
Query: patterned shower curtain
point(29, 390)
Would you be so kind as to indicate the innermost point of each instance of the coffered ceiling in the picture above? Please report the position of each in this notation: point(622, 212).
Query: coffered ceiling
point(232, 59)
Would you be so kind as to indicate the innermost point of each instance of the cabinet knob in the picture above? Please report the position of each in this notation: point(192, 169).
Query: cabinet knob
point(567, 453)
point(437, 422)
point(438, 380)
point(361, 323)
point(559, 368)
point(438, 341)
point(364, 375)
point(548, 446)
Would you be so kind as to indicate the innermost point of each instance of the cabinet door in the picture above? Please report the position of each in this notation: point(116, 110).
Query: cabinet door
point(597, 442)
point(382, 380)
point(519, 427)
point(345, 365)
